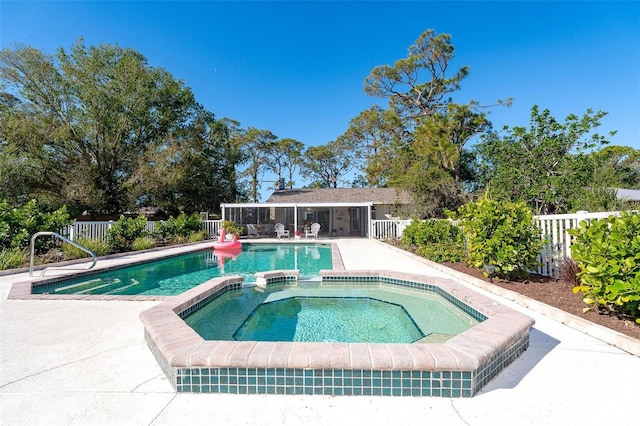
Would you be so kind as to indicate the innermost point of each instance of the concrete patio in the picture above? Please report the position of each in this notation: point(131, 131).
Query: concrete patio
point(86, 363)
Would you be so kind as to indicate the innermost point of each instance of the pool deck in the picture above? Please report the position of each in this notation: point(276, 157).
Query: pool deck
point(86, 362)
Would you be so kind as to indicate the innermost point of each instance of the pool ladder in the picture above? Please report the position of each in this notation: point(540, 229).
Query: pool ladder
point(66, 240)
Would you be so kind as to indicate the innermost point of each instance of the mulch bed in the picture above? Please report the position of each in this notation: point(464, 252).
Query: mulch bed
point(557, 293)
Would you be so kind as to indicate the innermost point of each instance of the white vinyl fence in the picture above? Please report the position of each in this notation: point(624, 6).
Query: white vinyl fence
point(388, 229)
point(557, 246)
point(554, 228)
point(98, 230)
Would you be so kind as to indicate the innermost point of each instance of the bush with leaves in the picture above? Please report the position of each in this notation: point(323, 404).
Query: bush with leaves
point(230, 227)
point(143, 243)
point(125, 231)
point(99, 247)
point(12, 258)
point(501, 234)
point(608, 254)
point(182, 226)
point(18, 224)
point(198, 236)
point(435, 239)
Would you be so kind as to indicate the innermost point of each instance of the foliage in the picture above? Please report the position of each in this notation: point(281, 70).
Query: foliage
point(99, 129)
point(427, 155)
point(256, 146)
point(373, 135)
point(125, 231)
point(616, 167)
point(143, 243)
point(191, 170)
point(431, 54)
point(231, 227)
point(182, 226)
point(544, 165)
point(442, 137)
point(596, 200)
point(435, 239)
point(201, 235)
point(327, 164)
point(285, 156)
point(18, 224)
point(608, 254)
point(568, 271)
point(11, 258)
point(99, 247)
point(502, 234)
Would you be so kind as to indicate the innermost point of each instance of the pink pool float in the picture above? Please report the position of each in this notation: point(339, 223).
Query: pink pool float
point(224, 244)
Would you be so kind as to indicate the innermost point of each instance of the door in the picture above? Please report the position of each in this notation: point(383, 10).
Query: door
point(354, 221)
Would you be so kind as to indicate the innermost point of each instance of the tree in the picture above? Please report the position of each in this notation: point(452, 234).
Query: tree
point(285, 158)
point(427, 157)
point(443, 136)
point(542, 165)
point(257, 146)
point(403, 82)
point(373, 133)
point(85, 117)
point(616, 167)
point(194, 172)
point(327, 164)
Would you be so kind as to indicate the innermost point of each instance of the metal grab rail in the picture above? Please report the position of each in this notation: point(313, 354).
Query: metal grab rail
point(65, 239)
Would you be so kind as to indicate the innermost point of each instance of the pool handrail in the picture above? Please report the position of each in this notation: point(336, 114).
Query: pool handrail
point(65, 239)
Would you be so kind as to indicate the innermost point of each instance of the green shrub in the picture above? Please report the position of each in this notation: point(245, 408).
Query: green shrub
point(99, 247)
point(500, 234)
point(608, 254)
point(198, 236)
point(143, 243)
point(18, 224)
point(13, 258)
point(182, 226)
point(125, 231)
point(435, 239)
point(230, 227)
point(179, 239)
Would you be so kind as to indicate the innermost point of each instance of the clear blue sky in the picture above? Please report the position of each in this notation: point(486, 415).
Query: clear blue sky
point(297, 68)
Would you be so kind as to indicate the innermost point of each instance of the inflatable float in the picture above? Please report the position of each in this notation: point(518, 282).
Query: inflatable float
point(224, 244)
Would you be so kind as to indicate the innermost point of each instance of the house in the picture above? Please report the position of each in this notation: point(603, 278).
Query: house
point(631, 196)
point(339, 211)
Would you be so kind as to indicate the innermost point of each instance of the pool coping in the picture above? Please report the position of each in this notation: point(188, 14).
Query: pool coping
point(22, 290)
point(481, 352)
point(602, 333)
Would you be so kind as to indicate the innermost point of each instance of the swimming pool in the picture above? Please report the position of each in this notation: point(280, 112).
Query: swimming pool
point(459, 367)
point(313, 312)
point(174, 275)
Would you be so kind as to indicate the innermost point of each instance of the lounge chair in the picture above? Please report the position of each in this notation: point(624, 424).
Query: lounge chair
point(280, 231)
point(313, 231)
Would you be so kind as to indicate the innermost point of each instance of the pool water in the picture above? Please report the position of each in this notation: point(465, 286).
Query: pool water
point(313, 312)
point(174, 275)
point(329, 319)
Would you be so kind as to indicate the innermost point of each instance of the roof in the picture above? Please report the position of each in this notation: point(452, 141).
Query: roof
point(627, 194)
point(341, 195)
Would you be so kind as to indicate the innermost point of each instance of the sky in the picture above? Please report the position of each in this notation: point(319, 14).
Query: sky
point(297, 68)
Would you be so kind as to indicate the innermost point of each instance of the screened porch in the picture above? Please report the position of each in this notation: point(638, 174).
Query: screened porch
point(335, 219)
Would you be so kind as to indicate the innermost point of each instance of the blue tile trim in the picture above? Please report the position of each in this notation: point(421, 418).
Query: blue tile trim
point(191, 309)
point(325, 381)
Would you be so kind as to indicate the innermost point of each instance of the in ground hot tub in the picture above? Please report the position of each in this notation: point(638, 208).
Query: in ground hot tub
point(457, 367)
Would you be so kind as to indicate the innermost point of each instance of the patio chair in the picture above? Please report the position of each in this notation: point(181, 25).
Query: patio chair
point(280, 231)
point(313, 231)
